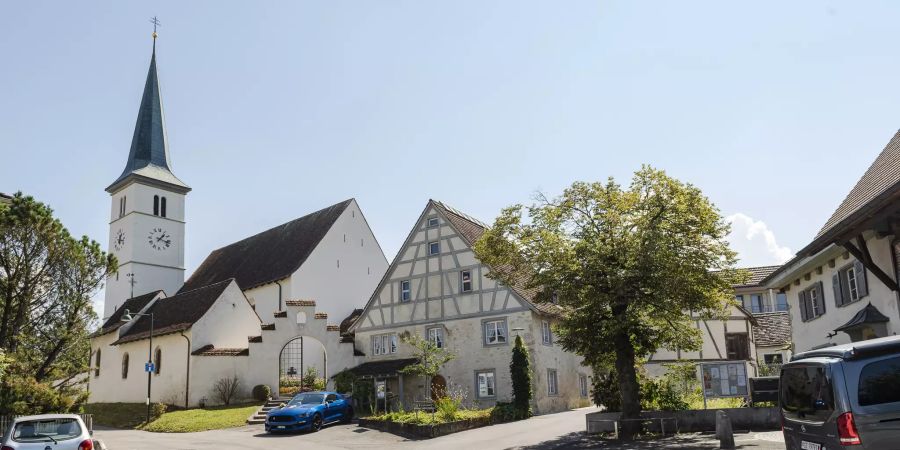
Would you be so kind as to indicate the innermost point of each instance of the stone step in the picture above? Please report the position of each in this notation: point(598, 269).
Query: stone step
point(255, 421)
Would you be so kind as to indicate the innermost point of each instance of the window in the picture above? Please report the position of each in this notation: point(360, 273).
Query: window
point(330, 398)
point(155, 205)
point(157, 361)
point(485, 384)
point(806, 393)
point(552, 382)
point(465, 281)
point(583, 384)
point(740, 300)
point(849, 284)
point(125, 366)
point(545, 332)
point(756, 303)
point(405, 291)
point(97, 364)
point(432, 222)
point(737, 346)
point(162, 207)
point(811, 302)
point(384, 344)
point(436, 335)
point(878, 382)
point(773, 358)
point(781, 302)
point(495, 332)
point(434, 248)
point(122, 206)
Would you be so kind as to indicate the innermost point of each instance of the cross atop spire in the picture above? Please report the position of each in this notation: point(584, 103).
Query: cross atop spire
point(148, 159)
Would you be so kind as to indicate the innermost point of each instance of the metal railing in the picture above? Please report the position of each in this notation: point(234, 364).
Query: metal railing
point(6, 422)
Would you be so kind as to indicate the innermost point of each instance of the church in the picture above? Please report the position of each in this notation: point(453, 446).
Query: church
point(314, 295)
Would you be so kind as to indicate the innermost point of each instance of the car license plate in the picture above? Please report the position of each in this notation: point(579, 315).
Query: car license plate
point(804, 445)
point(281, 427)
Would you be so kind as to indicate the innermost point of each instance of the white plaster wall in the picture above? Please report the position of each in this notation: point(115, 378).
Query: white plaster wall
point(807, 335)
point(344, 268)
point(228, 323)
point(265, 299)
point(148, 278)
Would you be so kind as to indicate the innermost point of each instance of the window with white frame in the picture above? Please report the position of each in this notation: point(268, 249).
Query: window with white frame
point(552, 382)
point(583, 384)
point(405, 291)
point(495, 332)
point(432, 222)
point(436, 336)
point(485, 384)
point(852, 285)
point(812, 303)
point(384, 344)
point(545, 332)
point(434, 248)
point(465, 281)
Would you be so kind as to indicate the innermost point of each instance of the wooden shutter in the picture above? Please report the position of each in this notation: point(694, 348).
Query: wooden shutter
point(804, 307)
point(861, 285)
point(821, 297)
point(836, 286)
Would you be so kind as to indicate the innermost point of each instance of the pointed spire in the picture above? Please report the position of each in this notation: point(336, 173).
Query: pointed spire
point(148, 158)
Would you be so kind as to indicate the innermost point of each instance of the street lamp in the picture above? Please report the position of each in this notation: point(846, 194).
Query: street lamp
point(128, 317)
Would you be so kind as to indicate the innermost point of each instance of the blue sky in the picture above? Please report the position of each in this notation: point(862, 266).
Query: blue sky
point(276, 109)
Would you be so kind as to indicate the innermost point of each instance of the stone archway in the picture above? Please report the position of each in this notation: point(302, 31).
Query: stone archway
point(302, 366)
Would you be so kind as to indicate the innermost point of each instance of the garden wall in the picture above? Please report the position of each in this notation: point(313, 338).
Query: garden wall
point(694, 420)
point(414, 431)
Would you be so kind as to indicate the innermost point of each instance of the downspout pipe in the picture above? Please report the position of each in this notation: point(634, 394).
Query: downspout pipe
point(187, 378)
point(280, 307)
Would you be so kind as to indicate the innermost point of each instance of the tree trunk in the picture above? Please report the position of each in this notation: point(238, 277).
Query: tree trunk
point(629, 388)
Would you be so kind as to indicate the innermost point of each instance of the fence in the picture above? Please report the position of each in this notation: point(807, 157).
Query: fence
point(6, 421)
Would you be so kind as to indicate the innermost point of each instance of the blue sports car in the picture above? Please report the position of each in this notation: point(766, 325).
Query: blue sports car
point(309, 410)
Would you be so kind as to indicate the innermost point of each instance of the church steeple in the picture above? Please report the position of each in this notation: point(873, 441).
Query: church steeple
point(148, 159)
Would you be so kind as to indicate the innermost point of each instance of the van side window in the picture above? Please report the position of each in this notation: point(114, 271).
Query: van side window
point(878, 382)
point(806, 393)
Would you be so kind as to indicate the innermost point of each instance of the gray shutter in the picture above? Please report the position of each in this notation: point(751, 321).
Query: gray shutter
point(821, 296)
point(804, 313)
point(836, 286)
point(861, 284)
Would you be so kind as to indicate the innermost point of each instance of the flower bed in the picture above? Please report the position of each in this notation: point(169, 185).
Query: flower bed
point(424, 427)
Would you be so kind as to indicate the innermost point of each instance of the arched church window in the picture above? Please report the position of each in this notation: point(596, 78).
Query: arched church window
point(97, 364)
point(155, 205)
point(125, 366)
point(157, 361)
point(162, 207)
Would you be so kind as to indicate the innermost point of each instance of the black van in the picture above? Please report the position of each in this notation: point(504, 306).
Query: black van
point(846, 395)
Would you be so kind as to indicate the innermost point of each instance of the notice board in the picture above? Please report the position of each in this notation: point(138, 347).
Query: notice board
point(724, 379)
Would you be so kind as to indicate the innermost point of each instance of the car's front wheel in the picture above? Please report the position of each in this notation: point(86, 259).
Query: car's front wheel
point(316, 423)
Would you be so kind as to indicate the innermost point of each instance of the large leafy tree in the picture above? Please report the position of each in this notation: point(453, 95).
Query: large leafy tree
point(47, 278)
point(628, 264)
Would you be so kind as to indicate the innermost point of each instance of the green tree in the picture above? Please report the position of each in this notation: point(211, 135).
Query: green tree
point(430, 359)
point(520, 371)
point(47, 279)
point(626, 263)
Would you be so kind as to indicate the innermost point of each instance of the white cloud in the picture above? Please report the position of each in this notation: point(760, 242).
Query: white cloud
point(755, 242)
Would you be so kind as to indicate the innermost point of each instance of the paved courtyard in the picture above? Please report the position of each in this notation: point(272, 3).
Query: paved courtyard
point(548, 432)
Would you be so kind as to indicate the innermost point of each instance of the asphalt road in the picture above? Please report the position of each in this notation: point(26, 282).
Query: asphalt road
point(548, 432)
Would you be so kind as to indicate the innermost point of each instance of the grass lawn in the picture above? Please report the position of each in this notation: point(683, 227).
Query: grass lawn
point(117, 415)
point(213, 418)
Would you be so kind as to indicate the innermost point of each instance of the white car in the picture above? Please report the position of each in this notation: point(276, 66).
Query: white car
point(48, 432)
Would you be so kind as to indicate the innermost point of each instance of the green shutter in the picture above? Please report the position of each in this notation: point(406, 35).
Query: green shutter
point(804, 311)
point(861, 285)
point(836, 286)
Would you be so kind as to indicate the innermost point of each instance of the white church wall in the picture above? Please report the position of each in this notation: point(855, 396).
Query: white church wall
point(228, 323)
point(344, 268)
point(265, 299)
point(147, 278)
point(207, 370)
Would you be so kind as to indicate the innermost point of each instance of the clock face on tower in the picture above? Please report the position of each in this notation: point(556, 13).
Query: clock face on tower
point(119, 241)
point(159, 239)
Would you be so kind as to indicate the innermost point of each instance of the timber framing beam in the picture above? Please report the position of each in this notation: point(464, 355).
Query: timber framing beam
point(862, 254)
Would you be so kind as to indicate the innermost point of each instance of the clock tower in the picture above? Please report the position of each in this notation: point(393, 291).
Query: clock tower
point(146, 228)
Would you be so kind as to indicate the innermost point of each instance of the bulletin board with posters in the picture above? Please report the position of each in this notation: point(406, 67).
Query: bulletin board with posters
point(724, 379)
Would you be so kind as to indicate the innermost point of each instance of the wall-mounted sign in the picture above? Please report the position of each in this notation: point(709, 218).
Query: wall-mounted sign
point(379, 389)
point(724, 379)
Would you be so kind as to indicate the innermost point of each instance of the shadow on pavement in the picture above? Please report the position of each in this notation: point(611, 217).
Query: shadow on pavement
point(581, 440)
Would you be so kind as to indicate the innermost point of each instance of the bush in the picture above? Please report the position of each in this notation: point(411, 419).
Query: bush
point(157, 410)
point(661, 395)
point(262, 392)
point(605, 391)
point(343, 381)
point(447, 407)
point(507, 412)
point(225, 389)
point(520, 371)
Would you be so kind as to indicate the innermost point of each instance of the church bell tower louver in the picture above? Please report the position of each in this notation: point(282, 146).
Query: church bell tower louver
point(146, 229)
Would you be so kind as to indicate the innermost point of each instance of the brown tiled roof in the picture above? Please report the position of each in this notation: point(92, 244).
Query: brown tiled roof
point(135, 304)
point(256, 339)
point(882, 176)
point(269, 256)
point(300, 303)
point(268, 326)
point(321, 315)
point(757, 274)
point(210, 350)
point(471, 229)
point(333, 328)
point(772, 328)
point(176, 313)
point(382, 368)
